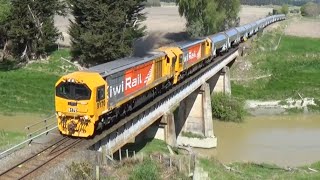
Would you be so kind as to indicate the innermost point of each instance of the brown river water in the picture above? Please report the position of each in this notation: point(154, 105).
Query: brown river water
point(18, 122)
point(282, 140)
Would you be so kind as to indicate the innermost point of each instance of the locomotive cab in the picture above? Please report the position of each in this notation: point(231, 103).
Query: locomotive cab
point(80, 98)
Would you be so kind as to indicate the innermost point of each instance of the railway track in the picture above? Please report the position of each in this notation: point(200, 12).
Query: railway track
point(32, 164)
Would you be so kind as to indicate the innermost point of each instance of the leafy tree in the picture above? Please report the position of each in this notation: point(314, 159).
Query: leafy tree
point(104, 30)
point(31, 27)
point(4, 10)
point(4, 15)
point(208, 16)
point(285, 9)
point(231, 9)
point(310, 9)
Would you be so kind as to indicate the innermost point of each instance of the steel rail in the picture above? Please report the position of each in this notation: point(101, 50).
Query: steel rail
point(3, 153)
point(62, 151)
point(32, 156)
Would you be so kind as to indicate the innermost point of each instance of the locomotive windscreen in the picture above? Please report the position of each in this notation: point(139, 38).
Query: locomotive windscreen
point(73, 91)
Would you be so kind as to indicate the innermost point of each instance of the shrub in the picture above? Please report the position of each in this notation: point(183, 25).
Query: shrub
point(79, 171)
point(310, 9)
point(227, 108)
point(148, 170)
point(285, 9)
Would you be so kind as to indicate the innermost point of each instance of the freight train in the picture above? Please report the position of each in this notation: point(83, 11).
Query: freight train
point(88, 100)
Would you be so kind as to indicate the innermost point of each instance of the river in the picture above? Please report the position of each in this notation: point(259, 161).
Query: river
point(18, 122)
point(292, 140)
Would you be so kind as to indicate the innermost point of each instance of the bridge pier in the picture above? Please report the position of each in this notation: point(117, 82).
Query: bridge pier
point(195, 112)
point(223, 84)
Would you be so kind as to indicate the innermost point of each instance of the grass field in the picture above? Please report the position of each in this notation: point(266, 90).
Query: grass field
point(293, 68)
point(257, 171)
point(31, 88)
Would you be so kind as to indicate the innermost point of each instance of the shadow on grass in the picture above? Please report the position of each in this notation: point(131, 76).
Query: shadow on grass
point(9, 65)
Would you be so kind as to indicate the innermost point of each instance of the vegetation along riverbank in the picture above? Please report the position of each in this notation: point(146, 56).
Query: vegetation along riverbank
point(279, 67)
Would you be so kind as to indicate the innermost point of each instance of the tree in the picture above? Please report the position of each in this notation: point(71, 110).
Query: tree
point(285, 9)
point(207, 17)
point(103, 31)
point(310, 9)
point(31, 27)
point(5, 10)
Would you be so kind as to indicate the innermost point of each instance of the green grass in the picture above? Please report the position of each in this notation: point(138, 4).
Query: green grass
point(192, 135)
point(146, 170)
point(295, 68)
point(257, 171)
point(148, 146)
point(31, 88)
point(7, 139)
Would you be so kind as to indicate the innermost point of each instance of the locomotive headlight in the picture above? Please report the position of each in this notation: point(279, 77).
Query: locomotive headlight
point(86, 117)
point(59, 114)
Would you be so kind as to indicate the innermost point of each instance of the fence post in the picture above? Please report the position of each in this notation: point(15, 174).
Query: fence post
point(189, 165)
point(97, 172)
point(120, 154)
point(127, 152)
point(104, 155)
point(134, 154)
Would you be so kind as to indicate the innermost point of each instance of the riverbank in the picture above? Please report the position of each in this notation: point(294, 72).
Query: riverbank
point(150, 165)
point(278, 67)
point(217, 170)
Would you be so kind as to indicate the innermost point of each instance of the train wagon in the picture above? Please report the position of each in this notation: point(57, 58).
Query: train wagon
point(234, 37)
point(248, 28)
point(110, 90)
point(220, 43)
point(242, 32)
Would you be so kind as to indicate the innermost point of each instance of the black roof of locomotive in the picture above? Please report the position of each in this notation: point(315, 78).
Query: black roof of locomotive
point(124, 63)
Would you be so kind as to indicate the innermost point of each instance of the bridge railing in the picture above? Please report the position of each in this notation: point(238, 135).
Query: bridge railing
point(33, 131)
point(40, 126)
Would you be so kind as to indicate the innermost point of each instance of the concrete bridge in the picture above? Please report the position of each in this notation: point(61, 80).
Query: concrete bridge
point(186, 108)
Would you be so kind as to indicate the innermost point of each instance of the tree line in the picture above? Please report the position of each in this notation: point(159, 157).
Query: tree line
point(277, 2)
point(101, 30)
